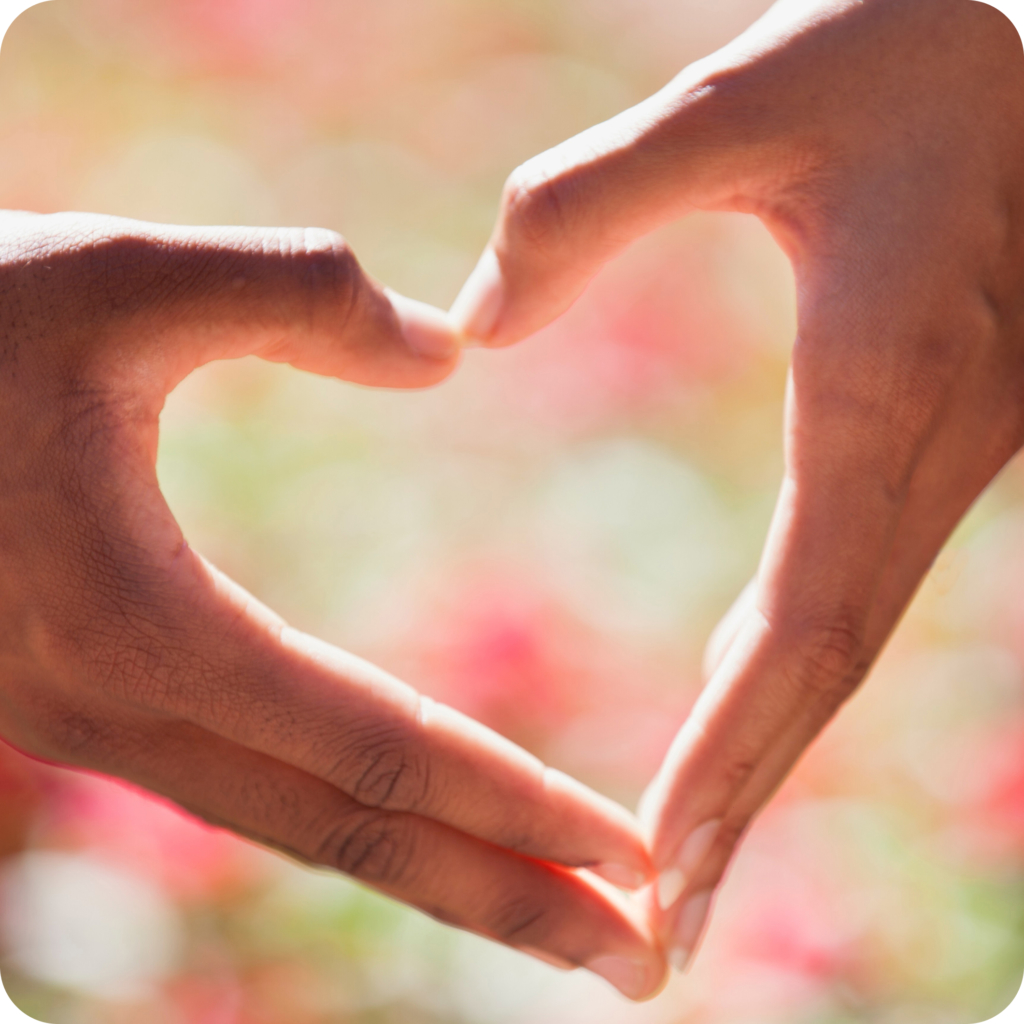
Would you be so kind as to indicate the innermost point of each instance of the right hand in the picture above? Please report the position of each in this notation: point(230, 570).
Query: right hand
point(123, 651)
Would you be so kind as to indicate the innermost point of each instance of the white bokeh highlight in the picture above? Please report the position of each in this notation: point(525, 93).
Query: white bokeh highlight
point(77, 922)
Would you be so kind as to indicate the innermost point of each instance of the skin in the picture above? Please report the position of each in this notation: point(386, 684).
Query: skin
point(124, 652)
point(882, 143)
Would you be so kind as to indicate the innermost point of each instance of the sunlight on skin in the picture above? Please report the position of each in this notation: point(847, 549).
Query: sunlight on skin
point(1007, 8)
point(863, 511)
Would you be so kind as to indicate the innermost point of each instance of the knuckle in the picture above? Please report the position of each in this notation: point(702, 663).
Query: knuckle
point(129, 273)
point(536, 206)
point(276, 799)
point(326, 261)
point(328, 244)
point(738, 770)
point(520, 920)
point(383, 770)
point(73, 735)
point(382, 776)
point(81, 268)
point(830, 659)
point(119, 272)
point(376, 848)
point(322, 272)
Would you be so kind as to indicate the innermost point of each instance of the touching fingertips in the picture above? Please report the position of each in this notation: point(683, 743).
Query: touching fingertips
point(692, 853)
point(477, 309)
point(671, 884)
point(428, 332)
point(688, 928)
point(630, 977)
point(621, 875)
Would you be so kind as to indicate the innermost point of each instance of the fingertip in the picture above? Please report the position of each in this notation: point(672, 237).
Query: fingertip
point(633, 978)
point(428, 331)
point(621, 853)
point(659, 986)
point(639, 977)
point(477, 309)
point(631, 958)
point(621, 875)
point(639, 970)
point(669, 887)
point(658, 976)
point(691, 923)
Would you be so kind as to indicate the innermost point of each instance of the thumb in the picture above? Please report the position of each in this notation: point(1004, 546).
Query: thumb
point(711, 139)
point(168, 299)
point(763, 126)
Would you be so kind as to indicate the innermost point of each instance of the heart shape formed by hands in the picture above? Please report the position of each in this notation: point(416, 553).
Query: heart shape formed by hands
point(125, 652)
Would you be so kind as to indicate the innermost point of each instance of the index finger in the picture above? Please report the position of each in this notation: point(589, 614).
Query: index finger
point(785, 675)
point(557, 915)
point(191, 644)
point(804, 645)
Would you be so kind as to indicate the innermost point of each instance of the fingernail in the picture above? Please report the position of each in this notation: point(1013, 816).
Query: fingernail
point(427, 331)
point(548, 958)
point(621, 875)
point(689, 925)
point(476, 311)
point(679, 959)
point(628, 976)
point(672, 882)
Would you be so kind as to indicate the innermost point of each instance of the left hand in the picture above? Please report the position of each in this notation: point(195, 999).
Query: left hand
point(882, 143)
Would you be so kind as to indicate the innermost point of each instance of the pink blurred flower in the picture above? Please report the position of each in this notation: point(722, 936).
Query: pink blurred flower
point(791, 928)
point(656, 325)
point(988, 810)
point(205, 1000)
point(221, 35)
point(501, 646)
point(505, 653)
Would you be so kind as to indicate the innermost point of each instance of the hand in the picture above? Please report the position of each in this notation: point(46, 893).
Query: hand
point(882, 143)
point(123, 651)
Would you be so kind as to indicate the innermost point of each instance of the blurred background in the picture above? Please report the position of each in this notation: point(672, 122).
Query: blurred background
point(545, 541)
